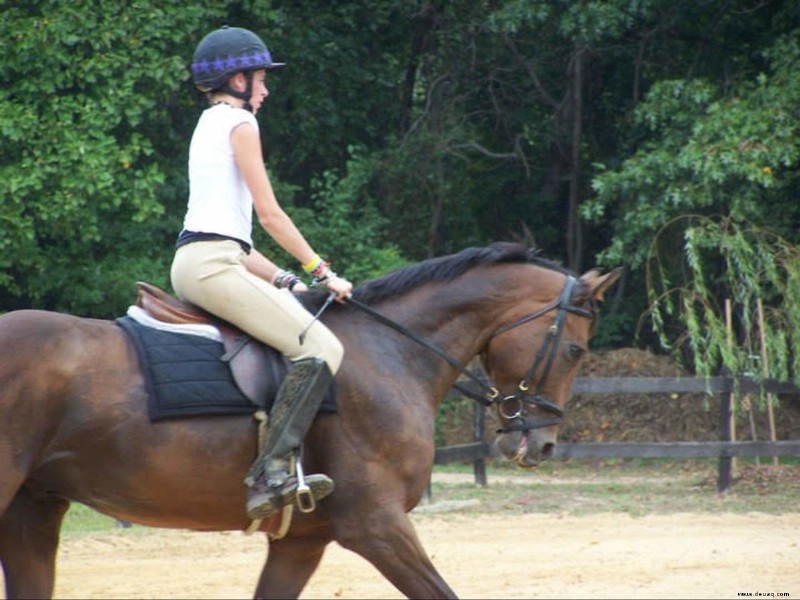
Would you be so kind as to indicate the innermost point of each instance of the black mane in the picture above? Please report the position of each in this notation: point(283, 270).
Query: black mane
point(447, 268)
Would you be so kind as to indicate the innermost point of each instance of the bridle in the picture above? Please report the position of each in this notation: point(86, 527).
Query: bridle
point(488, 394)
point(545, 356)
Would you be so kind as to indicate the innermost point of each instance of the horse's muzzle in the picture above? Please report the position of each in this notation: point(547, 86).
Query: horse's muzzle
point(526, 449)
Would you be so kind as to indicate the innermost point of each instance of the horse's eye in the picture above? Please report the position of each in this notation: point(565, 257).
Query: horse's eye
point(575, 352)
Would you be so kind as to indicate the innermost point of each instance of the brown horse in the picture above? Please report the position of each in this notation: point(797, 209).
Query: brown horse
point(74, 425)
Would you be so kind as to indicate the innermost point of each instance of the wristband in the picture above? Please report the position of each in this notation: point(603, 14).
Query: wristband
point(313, 264)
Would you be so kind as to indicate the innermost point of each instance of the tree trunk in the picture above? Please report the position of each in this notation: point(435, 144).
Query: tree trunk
point(425, 22)
point(574, 234)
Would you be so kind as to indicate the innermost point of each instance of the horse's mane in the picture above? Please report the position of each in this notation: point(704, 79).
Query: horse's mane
point(447, 268)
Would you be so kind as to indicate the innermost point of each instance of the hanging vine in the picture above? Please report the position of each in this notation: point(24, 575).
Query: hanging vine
point(721, 260)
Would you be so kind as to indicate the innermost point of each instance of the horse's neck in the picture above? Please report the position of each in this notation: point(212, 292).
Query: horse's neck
point(455, 323)
point(460, 316)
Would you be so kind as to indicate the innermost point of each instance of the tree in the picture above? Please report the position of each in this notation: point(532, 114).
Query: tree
point(399, 130)
point(719, 177)
point(709, 307)
point(85, 94)
point(96, 110)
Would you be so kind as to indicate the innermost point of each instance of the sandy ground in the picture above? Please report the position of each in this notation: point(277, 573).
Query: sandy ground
point(605, 555)
point(481, 556)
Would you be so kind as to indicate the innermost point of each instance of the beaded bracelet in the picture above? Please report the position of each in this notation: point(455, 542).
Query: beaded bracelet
point(285, 279)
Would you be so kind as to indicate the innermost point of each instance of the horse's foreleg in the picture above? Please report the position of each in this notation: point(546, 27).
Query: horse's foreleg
point(388, 540)
point(29, 534)
point(290, 564)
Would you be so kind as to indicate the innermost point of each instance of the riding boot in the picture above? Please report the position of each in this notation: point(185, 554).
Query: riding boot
point(272, 479)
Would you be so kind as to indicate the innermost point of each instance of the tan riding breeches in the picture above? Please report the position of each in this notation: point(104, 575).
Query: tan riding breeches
point(212, 275)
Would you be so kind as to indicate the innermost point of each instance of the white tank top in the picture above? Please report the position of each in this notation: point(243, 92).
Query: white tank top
point(219, 201)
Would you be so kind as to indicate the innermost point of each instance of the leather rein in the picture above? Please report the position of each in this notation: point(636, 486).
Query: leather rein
point(488, 394)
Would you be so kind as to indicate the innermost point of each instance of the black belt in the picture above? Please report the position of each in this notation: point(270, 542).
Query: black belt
point(188, 237)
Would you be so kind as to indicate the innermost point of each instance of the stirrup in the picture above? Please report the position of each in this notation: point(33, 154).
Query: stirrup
point(303, 497)
point(268, 501)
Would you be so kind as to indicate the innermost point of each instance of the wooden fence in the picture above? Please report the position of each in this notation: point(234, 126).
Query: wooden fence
point(725, 449)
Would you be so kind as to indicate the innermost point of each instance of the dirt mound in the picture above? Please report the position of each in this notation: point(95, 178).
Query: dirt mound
point(628, 362)
point(634, 418)
point(660, 417)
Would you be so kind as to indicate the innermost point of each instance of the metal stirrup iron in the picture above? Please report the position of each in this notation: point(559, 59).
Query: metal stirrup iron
point(303, 496)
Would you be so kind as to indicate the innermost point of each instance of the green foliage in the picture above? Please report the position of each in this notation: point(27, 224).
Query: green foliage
point(340, 87)
point(344, 223)
point(96, 112)
point(709, 153)
point(612, 331)
point(754, 270)
point(85, 92)
point(462, 114)
point(454, 421)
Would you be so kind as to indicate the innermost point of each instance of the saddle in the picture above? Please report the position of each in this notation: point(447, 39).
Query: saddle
point(245, 356)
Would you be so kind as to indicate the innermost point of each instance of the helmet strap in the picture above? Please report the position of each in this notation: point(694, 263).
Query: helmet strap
point(246, 94)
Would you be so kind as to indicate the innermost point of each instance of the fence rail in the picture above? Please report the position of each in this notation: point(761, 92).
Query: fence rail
point(484, 450)
point(678, 385)
point(724, 449)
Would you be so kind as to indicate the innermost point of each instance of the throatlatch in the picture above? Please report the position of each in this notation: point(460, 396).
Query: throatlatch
point(276, 477)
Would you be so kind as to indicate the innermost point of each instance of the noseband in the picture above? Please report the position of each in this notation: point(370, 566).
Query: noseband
point(488, 394)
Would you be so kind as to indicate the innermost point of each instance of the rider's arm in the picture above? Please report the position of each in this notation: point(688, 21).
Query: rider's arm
point(260, 265)
point(247, 152)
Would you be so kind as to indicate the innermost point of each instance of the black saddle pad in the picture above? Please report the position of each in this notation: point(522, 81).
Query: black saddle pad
point(185, 375)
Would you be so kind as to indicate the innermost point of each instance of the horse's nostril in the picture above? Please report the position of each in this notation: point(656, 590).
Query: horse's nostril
point(547, 449)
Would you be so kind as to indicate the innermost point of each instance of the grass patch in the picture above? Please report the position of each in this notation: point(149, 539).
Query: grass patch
point(82, 520)
point(636, 487)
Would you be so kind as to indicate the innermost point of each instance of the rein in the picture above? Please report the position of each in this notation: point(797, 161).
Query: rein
point(489, 394)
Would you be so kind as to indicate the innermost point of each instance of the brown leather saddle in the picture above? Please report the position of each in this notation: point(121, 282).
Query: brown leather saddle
point(245, 356)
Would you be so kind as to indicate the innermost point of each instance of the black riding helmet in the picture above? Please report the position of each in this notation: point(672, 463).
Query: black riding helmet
point(225, 52)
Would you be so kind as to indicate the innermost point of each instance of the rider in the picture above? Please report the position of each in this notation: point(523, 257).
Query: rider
point(217, 268)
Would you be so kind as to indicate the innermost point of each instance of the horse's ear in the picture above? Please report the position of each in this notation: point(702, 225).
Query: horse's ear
point(599, 282)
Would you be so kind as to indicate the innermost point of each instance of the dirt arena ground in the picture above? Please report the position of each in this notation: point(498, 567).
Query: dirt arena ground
point(482, 556)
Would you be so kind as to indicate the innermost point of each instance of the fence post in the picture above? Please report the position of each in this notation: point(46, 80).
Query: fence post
point(479, 466)
point(725, 429)
point(765, 373)
point(732, 416)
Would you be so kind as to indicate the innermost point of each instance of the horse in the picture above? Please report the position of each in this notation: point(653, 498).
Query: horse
point(74, 427)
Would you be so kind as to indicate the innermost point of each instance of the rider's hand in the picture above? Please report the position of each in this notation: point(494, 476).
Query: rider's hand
point(299, 287)
point(340, 286)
